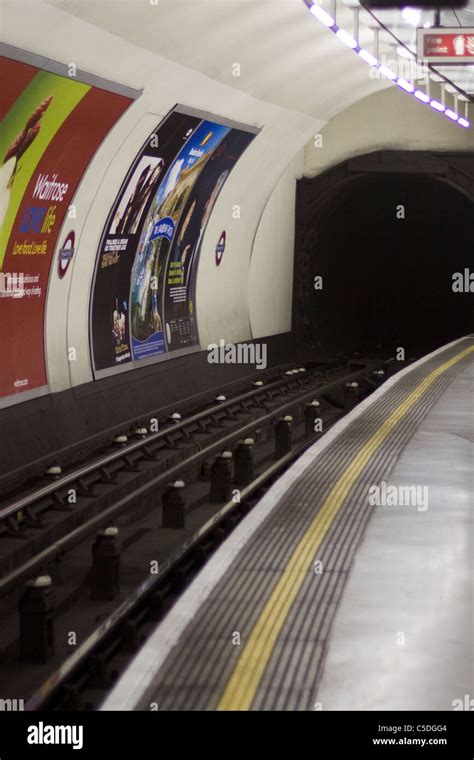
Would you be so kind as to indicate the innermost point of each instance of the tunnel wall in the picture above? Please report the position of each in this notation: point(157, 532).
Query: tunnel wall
point(251, 292)
point(387, 120)
point(223, 311)
point(386, 132)
point(78, 409)
point(271, 262)
point(386, 233)
point(253, 299)
point(223, 301)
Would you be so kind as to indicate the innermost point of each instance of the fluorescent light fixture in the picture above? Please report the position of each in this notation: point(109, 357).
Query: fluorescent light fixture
point(368, 57)
point(422, 96)
point(451, 114)
point(411, 15)
point(346, 38)
point(321, 14)
point(407, 86)
point(387, 73)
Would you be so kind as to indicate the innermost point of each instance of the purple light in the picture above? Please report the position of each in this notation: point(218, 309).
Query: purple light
point(451, 114)
point(387, 73)
point(346, 38)
point(321, 14)
point(422, 96)
point(368, 57)
point(407, 86)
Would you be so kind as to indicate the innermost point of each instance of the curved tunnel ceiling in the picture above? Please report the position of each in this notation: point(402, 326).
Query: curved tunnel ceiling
point(286, 57)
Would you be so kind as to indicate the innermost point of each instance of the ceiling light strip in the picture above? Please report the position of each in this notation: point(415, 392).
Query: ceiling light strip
point(329, 21)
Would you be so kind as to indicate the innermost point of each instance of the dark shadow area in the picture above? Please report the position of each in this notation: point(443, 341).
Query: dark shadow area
point(386, 279)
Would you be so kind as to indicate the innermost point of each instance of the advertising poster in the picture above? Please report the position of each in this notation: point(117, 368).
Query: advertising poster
point(181, 274)
point(51, 128)
point(130, 235)
point(143, 300)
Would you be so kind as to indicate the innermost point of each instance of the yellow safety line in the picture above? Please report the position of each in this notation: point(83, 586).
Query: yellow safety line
point(243, 683)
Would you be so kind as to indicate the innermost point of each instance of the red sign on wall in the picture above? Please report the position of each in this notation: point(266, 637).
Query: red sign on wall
point(51, 127)
point(442, 45)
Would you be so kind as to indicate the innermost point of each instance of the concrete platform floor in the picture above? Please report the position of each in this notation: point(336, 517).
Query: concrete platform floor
point(402, 638)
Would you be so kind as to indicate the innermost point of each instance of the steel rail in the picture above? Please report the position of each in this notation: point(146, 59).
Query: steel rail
point(14, 506)
point(59, 547)
point(151, 585)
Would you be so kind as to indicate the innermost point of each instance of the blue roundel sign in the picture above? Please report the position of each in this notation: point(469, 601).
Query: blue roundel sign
point(220, 248)
point(66, 252)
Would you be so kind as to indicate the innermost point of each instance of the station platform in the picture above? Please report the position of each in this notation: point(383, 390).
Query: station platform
point(349, 585)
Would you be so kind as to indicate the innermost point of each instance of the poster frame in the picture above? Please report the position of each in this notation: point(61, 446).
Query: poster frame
point(62, 69)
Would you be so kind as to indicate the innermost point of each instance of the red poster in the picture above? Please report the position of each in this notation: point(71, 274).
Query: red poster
point(52, 127)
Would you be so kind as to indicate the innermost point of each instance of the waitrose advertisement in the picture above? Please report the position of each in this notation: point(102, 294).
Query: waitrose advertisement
point(51, 127)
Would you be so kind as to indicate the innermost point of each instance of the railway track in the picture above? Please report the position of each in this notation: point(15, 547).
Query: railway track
point(41, 523)
point(71, 498)
point(42, 527)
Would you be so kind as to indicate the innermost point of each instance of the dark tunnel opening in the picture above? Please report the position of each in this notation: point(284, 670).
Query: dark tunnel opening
point(386, 247)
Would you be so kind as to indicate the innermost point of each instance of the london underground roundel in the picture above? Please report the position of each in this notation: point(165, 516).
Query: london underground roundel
point(66, 252)
point(220, 248)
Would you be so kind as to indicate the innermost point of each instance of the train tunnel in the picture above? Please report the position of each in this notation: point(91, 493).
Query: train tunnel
point(236, 354)
point(391, 251)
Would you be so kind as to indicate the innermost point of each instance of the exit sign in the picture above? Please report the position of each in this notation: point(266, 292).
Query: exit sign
point(444, 45)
